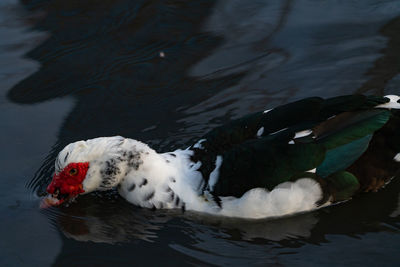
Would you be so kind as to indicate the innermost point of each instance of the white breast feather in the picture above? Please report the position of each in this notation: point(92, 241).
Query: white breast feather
point(287, 198)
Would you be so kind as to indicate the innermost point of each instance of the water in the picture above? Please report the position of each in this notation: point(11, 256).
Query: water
point(165, 72)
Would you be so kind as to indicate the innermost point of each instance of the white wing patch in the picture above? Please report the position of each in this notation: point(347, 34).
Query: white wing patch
point(397, 158)
point(199, 145)
point(392, 104)
point(281, 130)
point(215, 173)
point(303, 134)
point(396, 212)
point(260, 132)
point(312, 171)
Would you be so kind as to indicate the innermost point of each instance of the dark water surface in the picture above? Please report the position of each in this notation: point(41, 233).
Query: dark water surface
point(165, 72)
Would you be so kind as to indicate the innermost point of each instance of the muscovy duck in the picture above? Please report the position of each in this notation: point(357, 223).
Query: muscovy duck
point(293, 158)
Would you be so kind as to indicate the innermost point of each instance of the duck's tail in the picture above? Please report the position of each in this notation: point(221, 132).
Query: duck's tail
point(381, 161)
point(362, 150)
point(377, 166)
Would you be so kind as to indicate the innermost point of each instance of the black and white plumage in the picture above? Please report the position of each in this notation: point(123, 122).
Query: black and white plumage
point(294, 158)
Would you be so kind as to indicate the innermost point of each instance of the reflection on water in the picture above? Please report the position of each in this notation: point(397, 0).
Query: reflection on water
point(111, 65)
point(215, 240)
point(20, 222)
point(165, 72)
point(110, 219)
point(295, 49)
point(387, 66)
point(95, 218)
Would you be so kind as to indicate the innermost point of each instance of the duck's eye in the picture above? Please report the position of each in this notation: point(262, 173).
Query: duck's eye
point(73, 171)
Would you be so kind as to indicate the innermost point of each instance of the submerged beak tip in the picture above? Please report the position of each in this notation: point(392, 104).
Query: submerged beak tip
point(50, 201)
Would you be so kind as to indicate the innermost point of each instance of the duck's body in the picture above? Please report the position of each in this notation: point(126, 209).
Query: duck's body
point(294, 158)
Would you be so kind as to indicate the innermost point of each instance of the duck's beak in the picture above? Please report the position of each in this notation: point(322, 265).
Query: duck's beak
point(50, 201)
point(60, 190)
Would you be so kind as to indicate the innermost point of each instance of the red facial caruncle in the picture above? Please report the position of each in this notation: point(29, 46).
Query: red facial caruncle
point(68, 183)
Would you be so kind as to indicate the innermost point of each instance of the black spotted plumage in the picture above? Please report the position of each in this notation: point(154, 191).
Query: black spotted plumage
point(132, 187)
point(149, 195)
point(143, 182)
point(348, 133)
point(111, 168)
point(109, 173)
point(66, 157)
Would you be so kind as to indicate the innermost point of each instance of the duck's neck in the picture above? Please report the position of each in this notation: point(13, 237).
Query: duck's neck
point(158, 180)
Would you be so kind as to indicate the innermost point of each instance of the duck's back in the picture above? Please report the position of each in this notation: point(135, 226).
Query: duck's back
point(346, 144)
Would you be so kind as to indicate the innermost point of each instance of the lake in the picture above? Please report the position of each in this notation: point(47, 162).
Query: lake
point(166, 72)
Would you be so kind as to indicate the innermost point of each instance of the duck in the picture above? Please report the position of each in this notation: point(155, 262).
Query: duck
point(291, 159)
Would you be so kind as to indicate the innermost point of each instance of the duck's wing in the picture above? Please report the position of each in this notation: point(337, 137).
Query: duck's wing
point(316, 138)
point(297, 116)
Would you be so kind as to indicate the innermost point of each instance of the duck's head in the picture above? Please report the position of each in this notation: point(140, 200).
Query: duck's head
point(86, 166)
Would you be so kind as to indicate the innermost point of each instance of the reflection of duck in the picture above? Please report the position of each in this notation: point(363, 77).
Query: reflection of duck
point(95, 219)
point(299, 226)
point(309, 153)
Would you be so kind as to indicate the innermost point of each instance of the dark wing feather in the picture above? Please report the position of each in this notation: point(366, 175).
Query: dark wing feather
point(251, 161)
point(264, 163)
